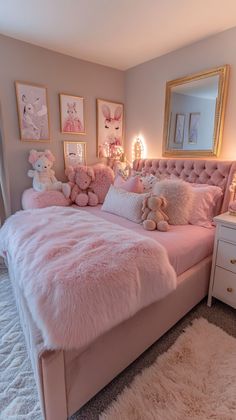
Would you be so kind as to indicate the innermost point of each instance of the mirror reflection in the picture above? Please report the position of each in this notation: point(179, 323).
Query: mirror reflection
point(193, 107)
point(194, 113)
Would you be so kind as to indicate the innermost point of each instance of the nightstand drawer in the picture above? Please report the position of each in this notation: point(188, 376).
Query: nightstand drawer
point(227, 233)
point(224, 287)
point(226, 256)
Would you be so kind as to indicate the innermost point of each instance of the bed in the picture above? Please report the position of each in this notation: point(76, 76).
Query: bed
point(67, 379)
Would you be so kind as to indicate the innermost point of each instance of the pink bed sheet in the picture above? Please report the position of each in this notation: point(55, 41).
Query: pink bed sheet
point(186, 245)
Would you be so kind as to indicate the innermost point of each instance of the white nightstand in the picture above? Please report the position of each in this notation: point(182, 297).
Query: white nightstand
point(223, 271)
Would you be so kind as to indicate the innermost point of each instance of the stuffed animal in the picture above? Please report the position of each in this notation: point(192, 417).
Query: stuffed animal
point(102, 177)
point(153, 215)
point(43, 176)
point(148, 182)
point(81, 193)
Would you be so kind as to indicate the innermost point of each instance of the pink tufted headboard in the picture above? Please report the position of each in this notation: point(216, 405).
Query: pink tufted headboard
point(212, 172)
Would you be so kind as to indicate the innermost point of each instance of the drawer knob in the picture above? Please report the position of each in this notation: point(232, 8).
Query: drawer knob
point(229, 289)
point(233, 261)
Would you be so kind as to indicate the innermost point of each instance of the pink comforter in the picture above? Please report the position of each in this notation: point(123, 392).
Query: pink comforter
point(82, 275)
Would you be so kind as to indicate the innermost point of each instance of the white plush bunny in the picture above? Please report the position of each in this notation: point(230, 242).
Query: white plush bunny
point(43, 176)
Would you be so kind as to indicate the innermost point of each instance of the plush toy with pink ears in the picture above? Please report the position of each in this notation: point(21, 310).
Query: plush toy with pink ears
point(81, 178)
point(43, 176)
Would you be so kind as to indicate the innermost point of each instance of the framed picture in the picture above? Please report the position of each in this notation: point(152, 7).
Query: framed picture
point(110, 117)
point(33, 115)
point(74, 153)
point(194, 119)
point(179, 128)
point(72, 114)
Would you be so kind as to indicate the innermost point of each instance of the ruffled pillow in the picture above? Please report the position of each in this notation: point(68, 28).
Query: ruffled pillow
point(132, 184)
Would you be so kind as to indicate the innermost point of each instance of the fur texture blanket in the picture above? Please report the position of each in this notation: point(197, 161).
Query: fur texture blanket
point(82, 275)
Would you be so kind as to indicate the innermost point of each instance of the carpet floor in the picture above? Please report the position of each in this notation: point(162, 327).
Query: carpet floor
point(195, 378)
point(18, 395)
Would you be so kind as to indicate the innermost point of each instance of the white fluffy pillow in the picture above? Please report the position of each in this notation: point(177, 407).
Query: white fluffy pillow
point(179, 197)
point(124, 204)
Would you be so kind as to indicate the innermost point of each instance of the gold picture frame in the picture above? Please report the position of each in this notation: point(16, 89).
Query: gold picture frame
point(111, 113)
point(75, 153)
point(33, 112)
point(72, 114)
point(223, 77)
point(193, 127)
point(179, 129)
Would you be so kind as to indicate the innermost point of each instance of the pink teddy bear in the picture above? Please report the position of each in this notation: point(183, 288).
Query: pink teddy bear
point(80, 180)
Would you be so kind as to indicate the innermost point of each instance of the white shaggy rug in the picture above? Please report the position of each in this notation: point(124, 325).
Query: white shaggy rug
point(18, 394)
point(195, 379)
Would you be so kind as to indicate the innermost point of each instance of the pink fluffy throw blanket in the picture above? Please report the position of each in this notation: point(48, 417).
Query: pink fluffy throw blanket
point(80, 274)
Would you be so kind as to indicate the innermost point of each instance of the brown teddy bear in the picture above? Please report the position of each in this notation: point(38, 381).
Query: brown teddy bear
point(153, 215)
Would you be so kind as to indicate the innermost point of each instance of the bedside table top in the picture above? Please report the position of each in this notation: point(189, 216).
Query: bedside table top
point(226, 218)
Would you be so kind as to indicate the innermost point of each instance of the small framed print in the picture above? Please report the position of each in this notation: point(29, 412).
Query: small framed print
point(33, 115)
point(74, 153)
point(179, 129)
point(110, 117)
point(72, 114)
point(194, 120)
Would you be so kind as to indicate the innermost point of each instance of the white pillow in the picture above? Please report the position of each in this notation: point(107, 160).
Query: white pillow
point(179, 196)
point(124, 204)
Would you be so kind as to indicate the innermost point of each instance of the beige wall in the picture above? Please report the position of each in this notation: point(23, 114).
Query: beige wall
point(142, 87)
point(145, 90)
point(60, 73)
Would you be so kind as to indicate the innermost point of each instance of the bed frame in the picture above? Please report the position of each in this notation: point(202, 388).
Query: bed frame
point(66, 380)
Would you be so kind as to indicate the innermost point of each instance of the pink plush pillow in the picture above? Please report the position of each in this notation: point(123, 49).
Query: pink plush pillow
point(32, 199)
point(206, 204)
point(132, 184)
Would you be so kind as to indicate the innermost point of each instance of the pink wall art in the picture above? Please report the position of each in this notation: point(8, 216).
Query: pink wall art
point(32, 106)
point(110, 117)
point(72, 114)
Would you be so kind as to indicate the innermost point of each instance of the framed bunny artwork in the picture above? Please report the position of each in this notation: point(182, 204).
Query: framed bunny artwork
point(33, 115)
point(72, 114)
point(110, 122)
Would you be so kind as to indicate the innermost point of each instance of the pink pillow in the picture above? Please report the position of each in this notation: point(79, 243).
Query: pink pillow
point(206, 204)
point(32, 199)
point(132, 184)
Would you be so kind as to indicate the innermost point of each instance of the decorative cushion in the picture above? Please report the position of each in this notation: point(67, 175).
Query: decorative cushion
point(123, 203)
point(132, 184)
point(206, 204)
point(179, 197)
point(32, 199)
point(104, 177)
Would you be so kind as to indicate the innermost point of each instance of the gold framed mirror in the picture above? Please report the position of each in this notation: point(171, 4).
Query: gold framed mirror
point(194, 113)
